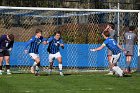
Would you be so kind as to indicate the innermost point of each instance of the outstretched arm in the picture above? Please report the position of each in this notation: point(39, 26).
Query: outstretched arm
point(121, 48)
point(28, 43)
point(99, 48)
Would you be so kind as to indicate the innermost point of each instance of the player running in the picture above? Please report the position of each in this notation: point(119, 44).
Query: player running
point(54, 52)
point(130, 38)
point(34, 43)
point(111, 28)
point(116, 52)
point(6, 45)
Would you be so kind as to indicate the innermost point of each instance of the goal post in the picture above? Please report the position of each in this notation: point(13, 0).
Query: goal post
point(81, 30)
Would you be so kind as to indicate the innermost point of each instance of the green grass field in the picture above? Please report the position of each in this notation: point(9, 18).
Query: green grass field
point(76, 83)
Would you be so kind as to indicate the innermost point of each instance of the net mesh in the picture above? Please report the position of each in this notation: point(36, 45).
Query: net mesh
point(80, 32)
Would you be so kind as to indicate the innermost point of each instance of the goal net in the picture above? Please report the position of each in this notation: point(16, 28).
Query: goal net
point(81, 30)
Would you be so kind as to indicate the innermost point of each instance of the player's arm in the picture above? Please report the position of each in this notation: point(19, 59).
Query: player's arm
point(61, 43)
point(10, 45)
point(49, 40)
point(0, 43)
point(99, 48)
point(28, 43)
point(121, 47)
point(106, 29)
point(136, 38)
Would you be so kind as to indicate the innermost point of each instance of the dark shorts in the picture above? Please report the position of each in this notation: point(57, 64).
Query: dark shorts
point(129, 50)
point(4, 53)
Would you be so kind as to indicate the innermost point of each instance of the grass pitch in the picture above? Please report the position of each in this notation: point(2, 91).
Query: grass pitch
point(75, 83)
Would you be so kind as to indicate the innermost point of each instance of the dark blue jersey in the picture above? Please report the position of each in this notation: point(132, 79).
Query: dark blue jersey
point(54, 45)
point(112, 45)
point(5, 43)
point(34, 43)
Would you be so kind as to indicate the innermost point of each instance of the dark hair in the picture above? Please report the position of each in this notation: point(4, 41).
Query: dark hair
point(57, 32)
point(131, 28)
point(112, 25)
point(106, 33)
point(38, 31)
point(11, 37)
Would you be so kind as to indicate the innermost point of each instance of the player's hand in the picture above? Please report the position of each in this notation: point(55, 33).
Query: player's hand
point(10, 49)
point(1, 50)
point(92, 50)
point(26, 51)
point(124, 50)
point(62, 46)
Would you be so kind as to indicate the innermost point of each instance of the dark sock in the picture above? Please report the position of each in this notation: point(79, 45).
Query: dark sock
point(0, 67)
point(7, 66)
point(38, 64)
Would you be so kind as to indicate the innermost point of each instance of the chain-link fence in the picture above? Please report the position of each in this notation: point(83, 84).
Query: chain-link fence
point(80, 32)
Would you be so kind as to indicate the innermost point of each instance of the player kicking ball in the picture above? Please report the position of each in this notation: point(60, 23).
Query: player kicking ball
point(34, 43)
point(116, 52)
point(54, 52)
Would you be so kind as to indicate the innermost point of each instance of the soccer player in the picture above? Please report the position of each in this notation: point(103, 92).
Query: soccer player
point(130, 38)
point(111, 28)
point(116, 52)
point(34, 43)
point(53, 48)
point(6, 45)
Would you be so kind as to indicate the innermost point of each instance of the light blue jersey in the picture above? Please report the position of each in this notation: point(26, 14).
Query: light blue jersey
point(112, 45)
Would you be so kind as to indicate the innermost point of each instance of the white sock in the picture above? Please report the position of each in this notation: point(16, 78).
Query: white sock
point(60, 67)
point(8, 70)
point(118, 70)
point(37, 68)
point(34, 64)
point(0, 71)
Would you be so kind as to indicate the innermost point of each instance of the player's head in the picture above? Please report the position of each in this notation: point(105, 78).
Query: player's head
point(106, 34)
point(131, 28)
point(38, 32)
point(112, 25)
point(10, 37)
point(57, 34)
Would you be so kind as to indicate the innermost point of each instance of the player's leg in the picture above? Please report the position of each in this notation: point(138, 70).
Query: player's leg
point(37, 60)
point(35, 66)
point(1, 59)
point(51, 58)
point(110, 63)
point(116, 68)
point(59, 58)
point(129, 55)
point(6, 58)
point(128, 60)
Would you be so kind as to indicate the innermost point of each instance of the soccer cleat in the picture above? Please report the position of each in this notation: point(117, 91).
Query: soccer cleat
point(32, 70)
point(0, 73)
point(37, 74)
point(9, 73)
point(49, 72)
point(61, 74)
point(110, 73)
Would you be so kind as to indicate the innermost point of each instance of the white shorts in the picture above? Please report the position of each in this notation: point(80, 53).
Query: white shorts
point(115, 58)
point(54, 56)
point(33, 55)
